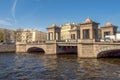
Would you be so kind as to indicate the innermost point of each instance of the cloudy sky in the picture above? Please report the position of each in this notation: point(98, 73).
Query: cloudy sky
point(40, 14)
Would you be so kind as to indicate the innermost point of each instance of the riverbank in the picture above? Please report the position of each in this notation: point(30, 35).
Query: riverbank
point(6, 48)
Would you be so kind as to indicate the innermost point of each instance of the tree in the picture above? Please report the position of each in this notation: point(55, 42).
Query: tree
point(1, 37)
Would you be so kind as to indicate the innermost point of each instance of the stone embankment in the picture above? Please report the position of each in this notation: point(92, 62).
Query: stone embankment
point(5, 48)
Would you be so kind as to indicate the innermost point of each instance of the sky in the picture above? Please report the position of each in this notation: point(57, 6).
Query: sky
point(40, 14)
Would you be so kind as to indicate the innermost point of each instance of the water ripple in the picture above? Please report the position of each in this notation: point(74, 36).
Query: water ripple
point(52, 67)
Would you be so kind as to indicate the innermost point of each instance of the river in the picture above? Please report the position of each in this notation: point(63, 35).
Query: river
point(57, 67)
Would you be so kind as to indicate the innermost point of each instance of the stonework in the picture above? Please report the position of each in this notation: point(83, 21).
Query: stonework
point(7, 48)
point(53, 32)
point(85, 31)
point(89, 30)
point(81, 38)
point(108, 29)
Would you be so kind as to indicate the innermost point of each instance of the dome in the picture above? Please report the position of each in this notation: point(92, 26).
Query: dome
point(88, 20)
point(108, 24)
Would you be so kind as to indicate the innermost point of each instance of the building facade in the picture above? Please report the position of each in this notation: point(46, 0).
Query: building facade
point(53, 32)
point(30, 36)
point(7, 35)
point(87, 30)
point(65, 31)
point(108, 29)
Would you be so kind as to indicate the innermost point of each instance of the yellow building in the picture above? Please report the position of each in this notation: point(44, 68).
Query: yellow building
point(65, 31)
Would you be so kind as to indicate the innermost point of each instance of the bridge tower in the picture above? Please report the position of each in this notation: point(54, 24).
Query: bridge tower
point(88, 35)
point(108, 29)
point(89, 30)
point(53, 32)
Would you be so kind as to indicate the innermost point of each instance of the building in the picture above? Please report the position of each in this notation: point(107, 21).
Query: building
point(1, 35)
point(69, 31)
point(87, 30)
point(75, 32)
point(53, 32)
point(65, 31)
point(108, 29)
point(117, 36)
point(7, 35)
point(30, 36)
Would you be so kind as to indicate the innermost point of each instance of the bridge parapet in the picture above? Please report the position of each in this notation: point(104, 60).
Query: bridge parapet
point(17, 43)
point(51, 41)
point(86, 40)
point(87, 48)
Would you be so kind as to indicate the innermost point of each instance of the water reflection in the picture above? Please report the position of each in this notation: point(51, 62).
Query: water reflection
point(57, 67)
point(99, 69)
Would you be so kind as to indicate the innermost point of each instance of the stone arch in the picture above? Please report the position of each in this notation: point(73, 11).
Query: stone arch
point(109, 52)
point(35, 49)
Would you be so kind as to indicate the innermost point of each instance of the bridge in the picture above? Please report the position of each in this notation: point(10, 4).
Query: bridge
point(87, 49)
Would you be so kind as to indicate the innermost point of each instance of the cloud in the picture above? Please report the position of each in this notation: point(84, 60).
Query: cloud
point(13, 9)
point(4, 22)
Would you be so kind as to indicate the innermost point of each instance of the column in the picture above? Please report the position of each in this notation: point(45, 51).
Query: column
point(51, 36)
point(56, 36)
point(47, 36)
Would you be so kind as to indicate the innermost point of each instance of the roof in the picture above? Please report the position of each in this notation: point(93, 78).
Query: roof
point(109, 24)
point(53, 26)
point(88, 20)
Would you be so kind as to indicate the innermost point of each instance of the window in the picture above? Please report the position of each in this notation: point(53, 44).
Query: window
point(106, 33)
point(72, 36)
point(86, 34)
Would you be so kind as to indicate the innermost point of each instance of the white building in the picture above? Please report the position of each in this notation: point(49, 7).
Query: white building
point(118, 36)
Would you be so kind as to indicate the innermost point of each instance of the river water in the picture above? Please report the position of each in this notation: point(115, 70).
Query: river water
point(60, 67)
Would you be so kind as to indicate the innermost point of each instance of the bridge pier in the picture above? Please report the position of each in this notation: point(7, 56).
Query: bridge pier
point(21, 48)
point(51, 48)
point(86, 50)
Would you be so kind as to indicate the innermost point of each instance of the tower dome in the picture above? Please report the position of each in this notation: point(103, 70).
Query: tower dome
point(108, 24)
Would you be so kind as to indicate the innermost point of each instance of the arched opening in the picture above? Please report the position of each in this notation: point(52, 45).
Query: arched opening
point(109, 54)
point(67, 50)
point(35, 50)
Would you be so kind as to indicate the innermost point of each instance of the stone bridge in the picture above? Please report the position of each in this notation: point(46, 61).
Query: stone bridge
point(98, 49)
point(47, 48)
point(84, 50)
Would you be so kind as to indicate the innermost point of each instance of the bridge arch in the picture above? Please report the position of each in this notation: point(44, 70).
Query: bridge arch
point(36, 50)
point(109, 52)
